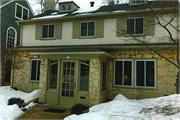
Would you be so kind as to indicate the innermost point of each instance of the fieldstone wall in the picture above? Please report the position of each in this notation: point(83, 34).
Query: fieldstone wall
point(42, 82)
point(22, 67)
point(166, 75)
point(94, 82)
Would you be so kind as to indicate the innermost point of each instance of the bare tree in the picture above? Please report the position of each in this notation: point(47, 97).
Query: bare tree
point(166, 19)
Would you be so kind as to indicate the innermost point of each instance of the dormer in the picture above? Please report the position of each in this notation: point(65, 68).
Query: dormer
point(67, 6)
point(137, 2)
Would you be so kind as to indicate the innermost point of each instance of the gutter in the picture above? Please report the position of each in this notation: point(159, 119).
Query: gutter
point(20, 44)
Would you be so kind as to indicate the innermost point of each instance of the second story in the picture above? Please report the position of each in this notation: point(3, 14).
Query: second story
point(11, 11)
point(104, 25)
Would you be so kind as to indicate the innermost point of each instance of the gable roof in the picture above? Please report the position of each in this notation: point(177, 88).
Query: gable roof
point(6, 2)
point(103, 10)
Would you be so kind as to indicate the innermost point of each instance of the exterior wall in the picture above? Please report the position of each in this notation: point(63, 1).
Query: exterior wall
point(8, 19)
point(165, 80)
point(21, 76)
point(108, 38)
point(94, 82)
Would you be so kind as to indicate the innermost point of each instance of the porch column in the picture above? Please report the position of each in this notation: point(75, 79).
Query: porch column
point(94, 82)
point(42, 81)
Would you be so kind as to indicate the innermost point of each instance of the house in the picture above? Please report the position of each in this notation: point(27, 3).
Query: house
point(88, 55)
point(11, 11)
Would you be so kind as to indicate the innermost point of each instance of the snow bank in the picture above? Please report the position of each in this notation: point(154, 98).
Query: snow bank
point(121, 108)
point(11, 112)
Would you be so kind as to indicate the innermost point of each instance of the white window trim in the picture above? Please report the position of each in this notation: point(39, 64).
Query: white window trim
point(48, 31)
point(21, 11)
point(135, 25)
point(123, 72)
point(15, 39)
point(136, 3)
point(87, 29)
point(65, 10)
point(145, 74)
point(36, 71)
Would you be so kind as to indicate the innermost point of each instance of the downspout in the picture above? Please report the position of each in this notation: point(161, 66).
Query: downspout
point(20, 43)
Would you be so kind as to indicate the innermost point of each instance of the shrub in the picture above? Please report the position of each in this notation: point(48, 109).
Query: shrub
point(79, 108)
point(18, 101)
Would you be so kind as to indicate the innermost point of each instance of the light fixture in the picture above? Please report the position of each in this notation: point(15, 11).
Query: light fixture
point(67, 57)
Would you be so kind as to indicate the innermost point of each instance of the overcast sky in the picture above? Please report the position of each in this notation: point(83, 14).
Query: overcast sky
point(80, 3)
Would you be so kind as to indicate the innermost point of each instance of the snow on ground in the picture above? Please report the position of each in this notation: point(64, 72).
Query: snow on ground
point(121, 108)
point(11, 112)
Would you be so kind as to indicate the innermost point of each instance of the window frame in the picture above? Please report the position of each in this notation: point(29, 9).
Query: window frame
point(48, 31)
point(15, 38)
point(132, 74)
point(36, 70)
point(135, 26)
point(87, 29)
point(49, 66)
point(155, 80)
point(137, 3)
point(65, 10)
point(21, 11)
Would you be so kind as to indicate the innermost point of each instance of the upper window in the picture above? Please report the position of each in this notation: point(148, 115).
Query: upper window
point(134, 25)
point(48, 31)
point(88, 29)
point(145, 73)
point(65, 7)
point(21, 12)
point(11, 37)
point(35, 69)
point(137, 2)
point(123, 72)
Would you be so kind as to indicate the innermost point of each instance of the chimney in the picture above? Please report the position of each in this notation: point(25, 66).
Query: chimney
point(49, 5)
point(92, 4)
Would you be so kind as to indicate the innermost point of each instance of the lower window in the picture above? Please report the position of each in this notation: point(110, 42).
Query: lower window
point(35, 69)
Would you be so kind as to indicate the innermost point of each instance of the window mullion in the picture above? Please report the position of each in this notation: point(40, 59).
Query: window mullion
point(22, 13)
point(134, 25)
point(87, 28)
point(122, 72)
point(145, 73)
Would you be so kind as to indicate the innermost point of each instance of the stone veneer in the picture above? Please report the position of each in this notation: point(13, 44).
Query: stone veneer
point(166, 75)
point(94, 82)
point(21, 76)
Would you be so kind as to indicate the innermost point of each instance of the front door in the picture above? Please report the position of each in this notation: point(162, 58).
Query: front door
point(68, 82)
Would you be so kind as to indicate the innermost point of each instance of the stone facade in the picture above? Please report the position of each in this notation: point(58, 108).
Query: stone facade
point(166, 75)
point(21, 75)
point(94, 82)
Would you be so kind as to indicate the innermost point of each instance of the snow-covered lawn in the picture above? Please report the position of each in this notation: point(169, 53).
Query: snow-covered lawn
point(11, 112)
point(121, 108)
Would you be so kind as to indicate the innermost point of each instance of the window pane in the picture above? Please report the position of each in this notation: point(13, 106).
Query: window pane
point(139, 26)
point(84, 76)
point(130, 26)
point(150, 80)
point(38, 70)
point(90, 28)
point(104, 77)
point(33, 69)
point(140, 73)
point(45, 31)
point(19, 11)
point(25, 14)
point(118, 73)
point(53, 76)
point(84, 29)
point(51, 30)
point(127, 72)
point(65, 7)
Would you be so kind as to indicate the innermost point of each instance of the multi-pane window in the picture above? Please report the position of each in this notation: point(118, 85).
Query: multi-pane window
point(11, 37)
point(21, 12)
point(145, 73)
point(134, 25)
point(65, 7)
point(35, 69)
point(132, 2)
point(84, 75)
point(53, 68)
point(48, 31)
point(123, 72)
point(104, 77)
point(87, 29)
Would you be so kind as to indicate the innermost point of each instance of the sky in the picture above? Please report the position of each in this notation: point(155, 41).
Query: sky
point(80, 3)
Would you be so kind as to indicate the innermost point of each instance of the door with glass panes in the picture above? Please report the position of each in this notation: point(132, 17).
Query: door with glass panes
point(68, 82)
